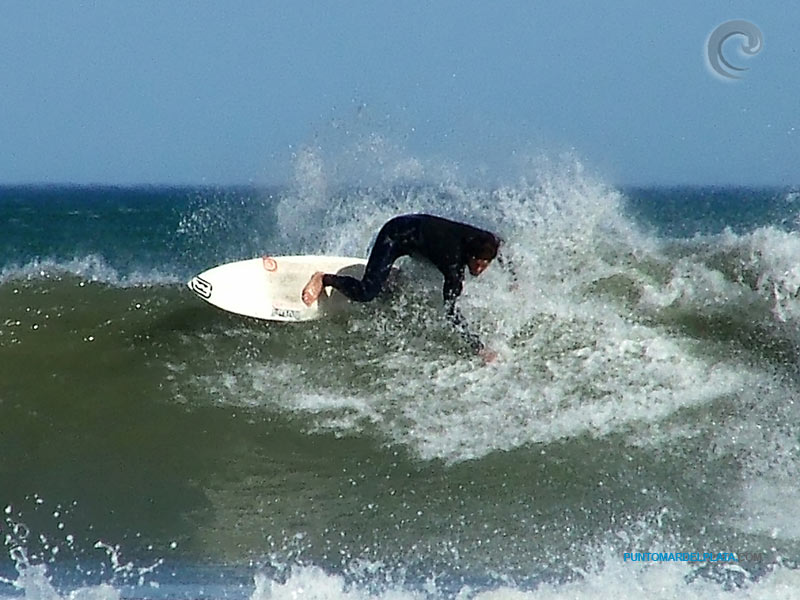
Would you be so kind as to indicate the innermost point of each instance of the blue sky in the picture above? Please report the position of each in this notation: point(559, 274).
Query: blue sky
point(224, 92)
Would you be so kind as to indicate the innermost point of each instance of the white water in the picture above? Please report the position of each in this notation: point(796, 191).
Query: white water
point(612, 579)
point(575, 359)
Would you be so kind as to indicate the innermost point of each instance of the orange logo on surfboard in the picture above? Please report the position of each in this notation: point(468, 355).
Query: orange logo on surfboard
point(269, 264)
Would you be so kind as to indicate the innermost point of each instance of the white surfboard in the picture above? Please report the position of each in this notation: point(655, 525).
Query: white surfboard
point(269, 287)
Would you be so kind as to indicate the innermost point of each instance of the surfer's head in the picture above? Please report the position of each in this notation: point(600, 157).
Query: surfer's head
point(480, 251)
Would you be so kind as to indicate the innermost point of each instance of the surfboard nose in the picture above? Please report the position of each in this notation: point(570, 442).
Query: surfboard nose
point(201, 287)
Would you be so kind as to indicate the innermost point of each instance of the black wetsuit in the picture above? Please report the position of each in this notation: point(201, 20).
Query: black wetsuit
point(441, 241)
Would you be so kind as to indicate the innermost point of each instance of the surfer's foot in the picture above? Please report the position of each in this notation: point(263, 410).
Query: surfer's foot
point(313, 289)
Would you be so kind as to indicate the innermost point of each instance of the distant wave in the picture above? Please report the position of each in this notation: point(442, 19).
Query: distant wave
point(90, 268)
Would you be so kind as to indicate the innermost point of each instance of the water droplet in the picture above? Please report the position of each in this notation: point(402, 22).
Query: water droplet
point(21, 531)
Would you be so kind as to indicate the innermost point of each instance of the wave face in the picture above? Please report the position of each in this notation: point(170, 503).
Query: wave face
point(643, 401)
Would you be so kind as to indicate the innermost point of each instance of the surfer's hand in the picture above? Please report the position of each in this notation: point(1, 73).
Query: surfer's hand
point(487, 355)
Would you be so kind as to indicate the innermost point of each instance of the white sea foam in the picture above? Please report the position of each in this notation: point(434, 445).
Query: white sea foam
point(573, 362)
point(756, 273)
point(615, 580)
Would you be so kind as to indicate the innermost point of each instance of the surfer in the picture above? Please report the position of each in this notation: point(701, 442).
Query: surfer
point(449, 245)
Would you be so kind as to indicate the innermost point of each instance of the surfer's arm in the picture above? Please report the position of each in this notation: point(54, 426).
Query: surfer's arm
point(451, 291)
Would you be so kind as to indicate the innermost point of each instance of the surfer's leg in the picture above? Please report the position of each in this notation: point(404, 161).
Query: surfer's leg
point(379, 265)
point(365, 289)
point(390, 244)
